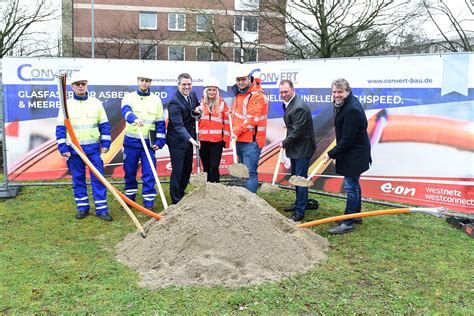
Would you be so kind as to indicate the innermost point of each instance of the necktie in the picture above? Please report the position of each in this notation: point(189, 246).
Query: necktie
point(188, 101)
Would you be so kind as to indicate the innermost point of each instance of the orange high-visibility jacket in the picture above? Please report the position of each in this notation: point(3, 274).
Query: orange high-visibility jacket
point(214, 126)
point(249, 115)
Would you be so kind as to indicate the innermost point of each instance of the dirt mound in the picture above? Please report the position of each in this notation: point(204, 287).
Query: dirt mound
point(220, 235)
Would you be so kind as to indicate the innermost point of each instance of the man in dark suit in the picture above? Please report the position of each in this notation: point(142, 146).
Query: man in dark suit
point(181, 136)
point(299, 142)
point(352, 152)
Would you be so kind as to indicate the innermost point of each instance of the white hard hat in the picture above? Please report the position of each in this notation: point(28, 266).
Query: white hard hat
point(211, 82)
point(145, 75)
point(77, 76)
point(242, 71)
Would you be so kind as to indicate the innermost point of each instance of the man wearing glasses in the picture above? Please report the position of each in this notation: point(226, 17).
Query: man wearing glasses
point(181, 135)
point(92, 128)
point(143, 110)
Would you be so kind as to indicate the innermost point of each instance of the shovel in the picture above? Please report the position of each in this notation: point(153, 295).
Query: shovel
point(300, 181)
point(157, 180)
point(267, 187)
point(238, 170)
point(200, 178)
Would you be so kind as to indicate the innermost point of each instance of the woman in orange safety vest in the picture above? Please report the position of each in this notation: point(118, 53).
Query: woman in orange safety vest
point(214, 129)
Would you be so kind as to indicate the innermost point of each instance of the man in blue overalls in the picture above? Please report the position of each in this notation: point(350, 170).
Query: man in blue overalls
point(143, 110)
point(92, 128)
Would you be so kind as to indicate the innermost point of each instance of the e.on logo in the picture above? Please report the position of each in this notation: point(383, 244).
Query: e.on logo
point(399, 189)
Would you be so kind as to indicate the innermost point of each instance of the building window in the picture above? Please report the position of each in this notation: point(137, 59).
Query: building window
point(203, 54)
point(148, 21)
point(176, 22)
point(203, 23)
point(176, 53)
point(246, 24)
point(147, 51)
point(245, 55)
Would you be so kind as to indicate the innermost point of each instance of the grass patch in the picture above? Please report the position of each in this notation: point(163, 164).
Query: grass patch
point(52, 263)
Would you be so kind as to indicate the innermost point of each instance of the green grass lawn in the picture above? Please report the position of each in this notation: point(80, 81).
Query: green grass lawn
point(52, 263)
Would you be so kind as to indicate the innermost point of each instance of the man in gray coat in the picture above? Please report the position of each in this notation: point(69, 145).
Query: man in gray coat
point(299, 143)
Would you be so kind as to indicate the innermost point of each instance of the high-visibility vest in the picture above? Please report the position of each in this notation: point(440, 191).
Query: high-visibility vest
point(214, 126)
point(249, 115)
point(85, 117)
point(147, 108)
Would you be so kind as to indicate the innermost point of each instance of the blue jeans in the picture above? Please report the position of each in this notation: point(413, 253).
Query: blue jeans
point(299, 167)
point(249, 154)
point(354, 197)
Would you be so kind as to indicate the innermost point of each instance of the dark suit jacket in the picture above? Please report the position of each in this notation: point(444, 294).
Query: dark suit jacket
point(181, 124)
point(299, 142)
point(352, 152)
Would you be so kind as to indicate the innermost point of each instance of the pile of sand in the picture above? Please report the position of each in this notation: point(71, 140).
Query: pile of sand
point(220, 235)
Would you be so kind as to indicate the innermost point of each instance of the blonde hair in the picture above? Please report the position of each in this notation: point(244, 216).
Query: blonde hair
point(208, 102)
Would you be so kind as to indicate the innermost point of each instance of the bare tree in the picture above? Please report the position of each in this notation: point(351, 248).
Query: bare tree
point(454, 37)
point(20, 33)
point(329, 28)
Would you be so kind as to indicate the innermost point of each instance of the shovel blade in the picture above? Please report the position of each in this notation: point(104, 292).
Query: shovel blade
point(269, 188)
point(299, 181)
point(198, 179)
point(238, 170)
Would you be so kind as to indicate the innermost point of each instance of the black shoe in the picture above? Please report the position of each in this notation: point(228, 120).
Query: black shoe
point(81, 215)
point(341, 229)
point(105, 216)
point(150, 208)
point(297, 217)
point(311, 205)
point(357, 220)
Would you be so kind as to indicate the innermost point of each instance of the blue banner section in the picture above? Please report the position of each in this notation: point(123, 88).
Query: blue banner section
point(30, 102)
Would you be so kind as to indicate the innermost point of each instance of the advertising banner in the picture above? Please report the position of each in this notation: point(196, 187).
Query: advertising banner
point(420, 111)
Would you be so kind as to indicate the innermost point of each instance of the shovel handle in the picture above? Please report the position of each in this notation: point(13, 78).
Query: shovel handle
point(106, 183)
point(153, 169)
point(277, 166)
point(198, 162)
point(232, 140)
point(315, 170)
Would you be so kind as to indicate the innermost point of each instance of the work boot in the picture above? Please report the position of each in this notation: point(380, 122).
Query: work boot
point(105, 216)
point(150, 208)
point(341, 229)
point(82, 214)
point(357, 220)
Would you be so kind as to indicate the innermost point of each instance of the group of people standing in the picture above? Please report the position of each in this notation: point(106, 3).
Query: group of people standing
point(143, 113)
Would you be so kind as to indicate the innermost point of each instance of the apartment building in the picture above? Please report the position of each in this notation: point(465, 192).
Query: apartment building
point(214, 30)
